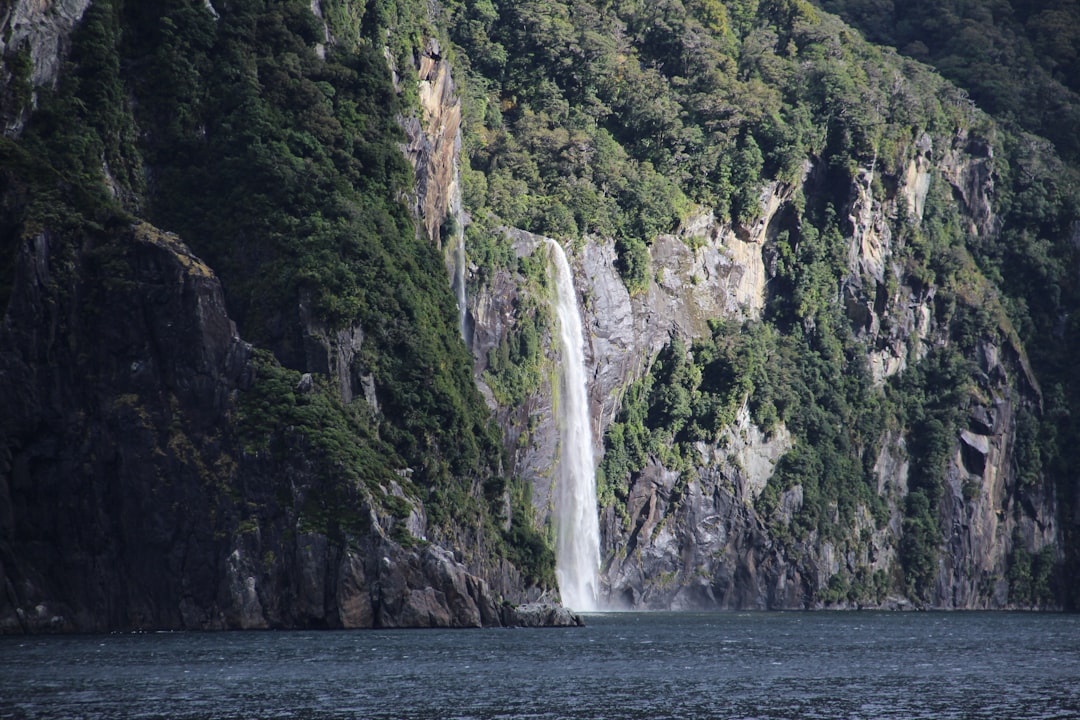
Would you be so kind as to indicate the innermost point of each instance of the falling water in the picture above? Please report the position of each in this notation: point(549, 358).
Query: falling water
point(457, 213)
point(577, 550)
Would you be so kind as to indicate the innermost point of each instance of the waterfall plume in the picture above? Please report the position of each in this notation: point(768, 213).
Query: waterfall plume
point(577, 550)
point(457, 215)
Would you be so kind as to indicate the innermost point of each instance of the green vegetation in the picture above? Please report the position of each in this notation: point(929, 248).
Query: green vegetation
point(344, 436)
point(933, 395)
point(54, 173)
point(515, 368)
point(618, 119)
point(1031, 577)
point(1021, 62)
point(276, 156)
point(278, 416)
point(283, 171)
point(1019, 59)
point(529, 550)
point(687, 397)
point(621, 119)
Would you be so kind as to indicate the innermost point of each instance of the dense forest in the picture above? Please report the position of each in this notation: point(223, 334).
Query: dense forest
point(622, 119)
point(280, 166)
point(1018, 61)
point(268, 136)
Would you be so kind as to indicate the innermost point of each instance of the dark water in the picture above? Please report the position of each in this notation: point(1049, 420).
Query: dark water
point(737, 665)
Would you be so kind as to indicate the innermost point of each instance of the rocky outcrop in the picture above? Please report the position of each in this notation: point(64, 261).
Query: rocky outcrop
point(434, 140)
point(897, 316)
point(890, 311)
point(335, 353)
point(917, 176)
point(986, 506)
point(118, 367)
point(704, 271)
point(540, 615)
point(33, 43)
point(698, 543)
point(968, 167)
point(696, 540)
point(893, 311)
point(127, 497)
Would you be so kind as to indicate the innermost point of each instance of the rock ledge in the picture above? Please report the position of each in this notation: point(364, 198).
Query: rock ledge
point(540, 615)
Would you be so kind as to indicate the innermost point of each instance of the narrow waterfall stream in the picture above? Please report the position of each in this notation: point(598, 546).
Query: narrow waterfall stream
point(457, 213)
point(577, 549)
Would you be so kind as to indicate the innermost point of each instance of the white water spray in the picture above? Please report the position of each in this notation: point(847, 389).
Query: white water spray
point(457, 213)
point(577, 548)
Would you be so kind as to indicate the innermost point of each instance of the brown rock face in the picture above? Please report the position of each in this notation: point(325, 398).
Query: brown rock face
point(434, 141)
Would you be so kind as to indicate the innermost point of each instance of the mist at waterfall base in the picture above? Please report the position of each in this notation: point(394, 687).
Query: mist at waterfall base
point(850, 665)
point(577, 545)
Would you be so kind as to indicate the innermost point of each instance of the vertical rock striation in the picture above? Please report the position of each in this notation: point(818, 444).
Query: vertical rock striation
point(130, 501)
point(700, 542)
point(33, 43)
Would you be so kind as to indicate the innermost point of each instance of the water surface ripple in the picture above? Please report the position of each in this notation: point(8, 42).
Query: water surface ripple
point(726, 665)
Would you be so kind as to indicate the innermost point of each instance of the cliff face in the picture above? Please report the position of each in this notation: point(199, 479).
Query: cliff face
point(988, 511)
point(700, 539)
point(34, 43)
point(115, 348)
point(129, 499)
point(434, 140)
point(158, 471)
point(324, 460)
point(700, 544)
point(708, 548)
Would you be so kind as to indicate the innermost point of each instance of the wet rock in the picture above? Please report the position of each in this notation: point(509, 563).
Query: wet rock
point(430, 589)
point(540, 615)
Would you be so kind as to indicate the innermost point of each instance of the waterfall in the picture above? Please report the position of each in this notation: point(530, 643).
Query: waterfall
point(458, 215)
point(577, 549)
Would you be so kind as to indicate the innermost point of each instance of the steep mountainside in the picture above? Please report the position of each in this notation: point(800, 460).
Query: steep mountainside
point(315, 455)
point(1018, 59)
point(808, 385)
point(828, 306)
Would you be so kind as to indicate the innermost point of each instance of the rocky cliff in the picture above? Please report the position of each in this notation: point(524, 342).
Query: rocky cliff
point(806, 273)
point(130, 500)
point(35, 43)
point(157, 470)
point(700, 538)
point(806, 384)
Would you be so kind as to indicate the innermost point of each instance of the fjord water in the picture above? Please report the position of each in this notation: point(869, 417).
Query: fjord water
point(577, 545)
point(670, 665)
